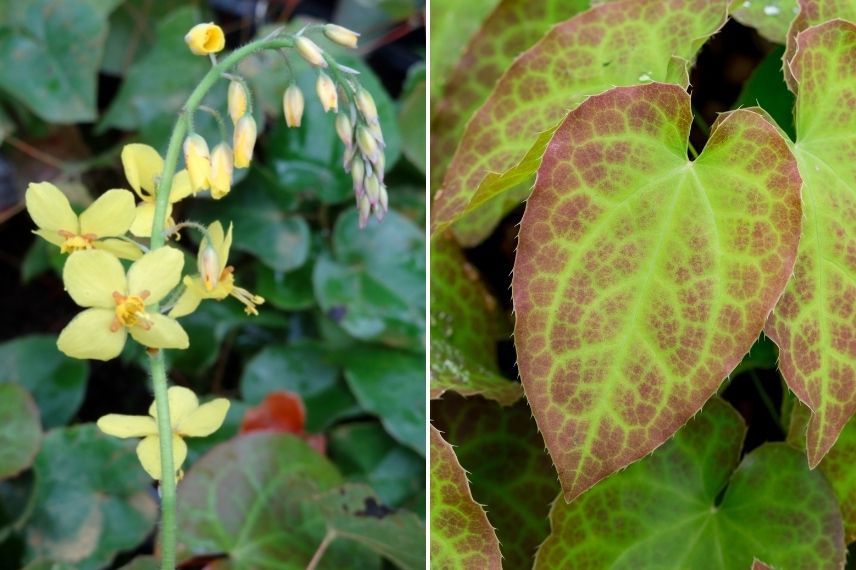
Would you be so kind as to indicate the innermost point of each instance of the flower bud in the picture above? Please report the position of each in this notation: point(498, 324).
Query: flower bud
point(372, 189)
point(342, 36)
point(366, 105)
point(292, 105)
point(374, 129)
point(358, 173)
point(367, 144)
point(237, 99)
point(348, 157)
point(326, 90)
point(221, 171)
point(209, 266)
point(344, 130)
point(380, 166)
point(203, 39)
point(197, 161)
point(365, 208)
point(309, 51)
point(383, 202)
point(244, 141)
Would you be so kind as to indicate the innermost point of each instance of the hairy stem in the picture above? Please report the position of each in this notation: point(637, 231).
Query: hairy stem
point(167, 485)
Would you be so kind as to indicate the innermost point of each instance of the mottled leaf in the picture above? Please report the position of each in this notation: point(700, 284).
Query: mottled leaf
point(466, 322)
point(620, 43)
point(812, 13)
point(771, 18)
point(814, 323)
point(461, 536)
point(91, 499)
point(642, 278)
point(509, 471)
point(690, 505)
point(21, 433)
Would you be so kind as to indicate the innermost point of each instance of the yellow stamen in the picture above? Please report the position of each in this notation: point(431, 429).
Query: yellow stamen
point(131, 311)
point(74, 242)
point(248, 299)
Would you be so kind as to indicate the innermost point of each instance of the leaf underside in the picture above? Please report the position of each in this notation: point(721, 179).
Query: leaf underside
point(642, 278)
point(814, 324)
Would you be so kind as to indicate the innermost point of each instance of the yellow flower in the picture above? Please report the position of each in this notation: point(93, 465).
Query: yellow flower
point(203, 39)
point(344, 129)
point(198, 162)
point(292, 105)
point(107, 217)
point(310, 51)
point(187, 418)
point(326, 90)
point(237, 100)
point(245, 141)
point(143, 168)
point(117, 304)
point(221, 171)
point(215, 279)
point(342, 36)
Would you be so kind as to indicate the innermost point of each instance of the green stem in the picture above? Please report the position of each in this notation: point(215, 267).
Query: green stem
point(167, 484)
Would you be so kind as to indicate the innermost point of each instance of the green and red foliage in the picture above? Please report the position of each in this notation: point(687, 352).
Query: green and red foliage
point(643, 274)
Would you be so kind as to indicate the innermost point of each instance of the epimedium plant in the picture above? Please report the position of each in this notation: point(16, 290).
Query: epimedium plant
point(644, 273)
point(145, 302)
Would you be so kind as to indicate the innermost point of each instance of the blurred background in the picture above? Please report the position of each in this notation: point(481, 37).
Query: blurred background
point(336, 355)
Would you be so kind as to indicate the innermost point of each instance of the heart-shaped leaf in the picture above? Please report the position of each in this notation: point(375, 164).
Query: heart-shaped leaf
point(771, 18)
point(619, 43)
point(814, 323)
point(812, 13)
point(642, 278)
point(461, 536)
point(690, 505)
point(21, 433)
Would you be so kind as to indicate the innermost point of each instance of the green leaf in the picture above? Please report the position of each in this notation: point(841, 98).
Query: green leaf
point(56, 382)
point(290, 291)
point(305, 369)
point(690, 505)
point(813, 322)
point(642, 278)
point(365, 453)
point(390, 384)
point(250, 499)
point(461, 535)
point(503, 453)
point(766, 88)
point(21, 433)
point(812, 13)
point(354, 513)
point(411, 117)
point(91, 501)
point(635, 42)
point(466, 322)
point(771, 18)
point(373, 285)
point(51, 51)
point(158, 83)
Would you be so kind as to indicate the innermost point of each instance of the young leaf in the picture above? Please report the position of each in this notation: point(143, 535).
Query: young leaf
point(813, 323)
point(465, 324)
point(812, 13)
point(665, 511)
point(620, 43)
point(770, 17)
point(461, 536)
point(642, 278)
point(21, 433)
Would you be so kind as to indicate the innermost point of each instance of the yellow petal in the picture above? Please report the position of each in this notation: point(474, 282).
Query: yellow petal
point(142, 165)
point(205, 419)
point(244, 139)
point(182, 402)
point(120, 248)
point(92, 276)
point(143, 218)
point(49, 208)
point(221, 171)
point(203, 39)
point(223, 250)
point(163, 332)
point(148, 451)
point(186, 304)
point(181, 187)
point(120, 425)
point(50, 236)
point(110, 215)
point(88, 335)
point(197, 159)
point(157, 272)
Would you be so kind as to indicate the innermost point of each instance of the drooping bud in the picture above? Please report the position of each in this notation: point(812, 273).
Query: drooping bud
point(358, 173)
point(372, 189)
point(366, 105)
point(209, 265)
point(326, 90)
point(383, 202)
point(197, 161)
point(374, 129)
point(380, 165)
point(348, 157)
point(292, 105)
point(244, 141)
point(203, 39)
point(310, 51)
point(367, 144)
point(342, 36)
point(237, 100)
point(344, 130)
point(221, 171)
point(365, 208)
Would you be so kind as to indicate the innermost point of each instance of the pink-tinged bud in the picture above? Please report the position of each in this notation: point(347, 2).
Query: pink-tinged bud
point(237, 100)
point(326, 90)
point(367, 144)
point(366, 105)
point(203, 39)
point(309, 51)
point(245, 141)
point(221, 171)
point(358, 173)
point(344, 129)
point(380, 166)
point(292, 105)
point(197, 161)
point(383, 201)
point(342, 36)
point(209, 266)
point(374, 129)
point(373, 189)
point(365, 208)
point(348, 157)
